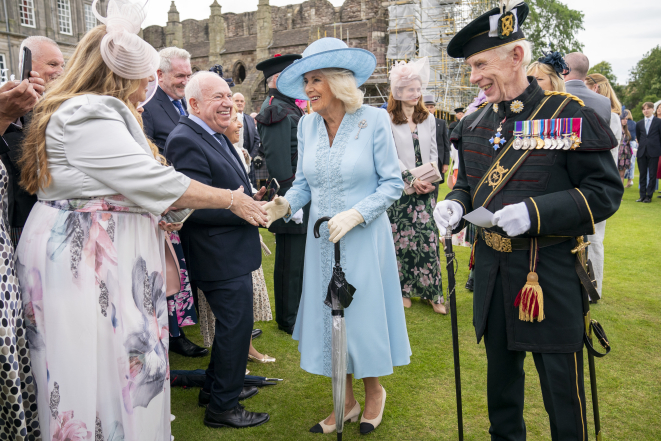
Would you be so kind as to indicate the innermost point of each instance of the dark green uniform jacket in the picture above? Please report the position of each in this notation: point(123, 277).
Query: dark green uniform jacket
point(566, 193)
point(277, 124)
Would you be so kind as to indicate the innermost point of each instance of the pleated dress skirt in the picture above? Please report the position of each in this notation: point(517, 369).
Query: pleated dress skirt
point(92, 277)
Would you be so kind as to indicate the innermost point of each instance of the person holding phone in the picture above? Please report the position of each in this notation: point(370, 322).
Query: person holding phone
point(277, 123)
point(15, 100)
point(41, 56)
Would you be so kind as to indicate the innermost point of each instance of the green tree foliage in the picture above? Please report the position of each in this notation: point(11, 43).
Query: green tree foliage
point(644, 83)
point(606, 69)
point(553, 25)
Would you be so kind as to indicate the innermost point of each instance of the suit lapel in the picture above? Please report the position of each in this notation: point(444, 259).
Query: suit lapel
point(237, 167)
point(167, 105)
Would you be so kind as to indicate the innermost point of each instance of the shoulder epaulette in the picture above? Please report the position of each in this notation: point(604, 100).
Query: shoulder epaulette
point(574, 97)
point(483, 104)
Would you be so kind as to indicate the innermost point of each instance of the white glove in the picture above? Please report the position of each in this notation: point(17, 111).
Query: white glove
point(298, 216)
point(447, 213)
point(514, 219)
point(276, 209)
point(342, 223)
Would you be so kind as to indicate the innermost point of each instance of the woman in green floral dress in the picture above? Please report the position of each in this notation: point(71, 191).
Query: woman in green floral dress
point(413, 228)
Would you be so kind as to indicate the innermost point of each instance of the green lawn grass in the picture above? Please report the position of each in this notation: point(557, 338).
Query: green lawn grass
point(421, 396)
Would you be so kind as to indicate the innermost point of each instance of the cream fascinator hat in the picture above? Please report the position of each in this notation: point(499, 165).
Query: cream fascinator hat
point(126, 54)
point(403, 75)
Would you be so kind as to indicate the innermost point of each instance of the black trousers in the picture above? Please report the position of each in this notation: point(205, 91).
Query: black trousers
point(231, 303)
point(288, 278)
point(647, 165)
point(560, 375)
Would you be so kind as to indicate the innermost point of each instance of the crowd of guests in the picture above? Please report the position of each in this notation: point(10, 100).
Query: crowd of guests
point(96, 154)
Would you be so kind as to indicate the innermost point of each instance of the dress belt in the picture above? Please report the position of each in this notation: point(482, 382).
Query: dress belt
point(506, 244)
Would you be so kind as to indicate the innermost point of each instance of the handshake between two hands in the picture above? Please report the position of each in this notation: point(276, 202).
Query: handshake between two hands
point(513, 219)
point(338, 226)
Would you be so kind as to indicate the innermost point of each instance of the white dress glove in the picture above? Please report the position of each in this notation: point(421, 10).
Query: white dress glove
point(447, 213)
point(514, 219)
point(276, 209)
point(342, 223)
point(298, 217)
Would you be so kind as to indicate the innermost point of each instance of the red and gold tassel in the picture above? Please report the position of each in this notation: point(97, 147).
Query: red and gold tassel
point(530, 299)
point(471, 262)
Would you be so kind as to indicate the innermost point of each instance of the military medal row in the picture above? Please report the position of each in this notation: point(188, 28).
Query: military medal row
point(549, 134)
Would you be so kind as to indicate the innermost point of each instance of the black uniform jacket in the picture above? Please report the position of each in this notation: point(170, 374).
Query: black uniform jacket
point(566, 193)
point(442, 143)
point(277, 123)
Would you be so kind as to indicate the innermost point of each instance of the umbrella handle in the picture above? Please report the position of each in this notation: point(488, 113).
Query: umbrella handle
point(317, 224)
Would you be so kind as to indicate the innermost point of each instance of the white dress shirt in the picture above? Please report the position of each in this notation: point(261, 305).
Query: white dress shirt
point(648, 124)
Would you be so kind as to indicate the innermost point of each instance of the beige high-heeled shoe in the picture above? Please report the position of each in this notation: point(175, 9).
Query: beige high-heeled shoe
point(352, 416)
point(264, 359)
point(368, 426)
point(438, 308)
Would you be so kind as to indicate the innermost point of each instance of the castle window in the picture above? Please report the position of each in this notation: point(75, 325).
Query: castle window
point(90, 19)
point(64, 16)
point(239, 73)
point(26, 11)
point(3, 69)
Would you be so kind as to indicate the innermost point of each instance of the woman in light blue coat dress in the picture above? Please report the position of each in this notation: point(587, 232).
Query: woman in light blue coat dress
point(348, 169)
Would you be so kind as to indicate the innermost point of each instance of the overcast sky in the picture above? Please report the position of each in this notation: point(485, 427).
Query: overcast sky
point(617, 31)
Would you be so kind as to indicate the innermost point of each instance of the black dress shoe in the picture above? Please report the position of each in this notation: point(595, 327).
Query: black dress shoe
point(647, 200)
point(469, 284)
point(205, 397)
point(289, 330)
point(237, 417)
point(256, 333)
point(659, 196)
point(640, 200)
point(185, 347)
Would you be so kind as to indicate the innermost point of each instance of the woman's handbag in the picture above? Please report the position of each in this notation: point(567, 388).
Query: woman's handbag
point(426, 172)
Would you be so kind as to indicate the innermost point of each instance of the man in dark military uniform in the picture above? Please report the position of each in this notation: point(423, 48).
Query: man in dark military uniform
point(277, 124)
point(459, 114)
point(527, 295)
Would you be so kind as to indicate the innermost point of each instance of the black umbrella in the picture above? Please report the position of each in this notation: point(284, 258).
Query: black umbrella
point(339, 296)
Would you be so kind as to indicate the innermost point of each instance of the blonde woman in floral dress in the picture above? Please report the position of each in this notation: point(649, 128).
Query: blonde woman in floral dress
point(411, 217)
point(91, 258)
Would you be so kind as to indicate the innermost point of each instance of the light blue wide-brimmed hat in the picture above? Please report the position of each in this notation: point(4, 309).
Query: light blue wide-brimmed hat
point(325, 53)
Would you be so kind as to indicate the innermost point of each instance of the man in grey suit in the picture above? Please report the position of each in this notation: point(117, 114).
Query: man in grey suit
point(574, 82)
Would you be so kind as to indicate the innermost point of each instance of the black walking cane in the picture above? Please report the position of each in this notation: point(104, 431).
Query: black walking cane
point(584, 271)
point(449, 254)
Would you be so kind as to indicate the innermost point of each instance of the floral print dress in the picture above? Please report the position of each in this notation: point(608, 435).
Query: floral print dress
point(624, 154)
point(181, 306)
point(416, 240)
point(92, 280)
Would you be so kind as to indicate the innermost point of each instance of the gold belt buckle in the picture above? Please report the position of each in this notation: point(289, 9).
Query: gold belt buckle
point(497, 242)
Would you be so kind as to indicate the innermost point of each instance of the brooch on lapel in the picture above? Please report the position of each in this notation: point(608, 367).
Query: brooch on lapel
point(361, 125)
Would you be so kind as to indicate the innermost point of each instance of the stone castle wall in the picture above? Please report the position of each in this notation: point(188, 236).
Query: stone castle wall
point(247, 38)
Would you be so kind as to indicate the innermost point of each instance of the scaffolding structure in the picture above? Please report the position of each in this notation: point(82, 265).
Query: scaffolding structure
point(423, 28)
